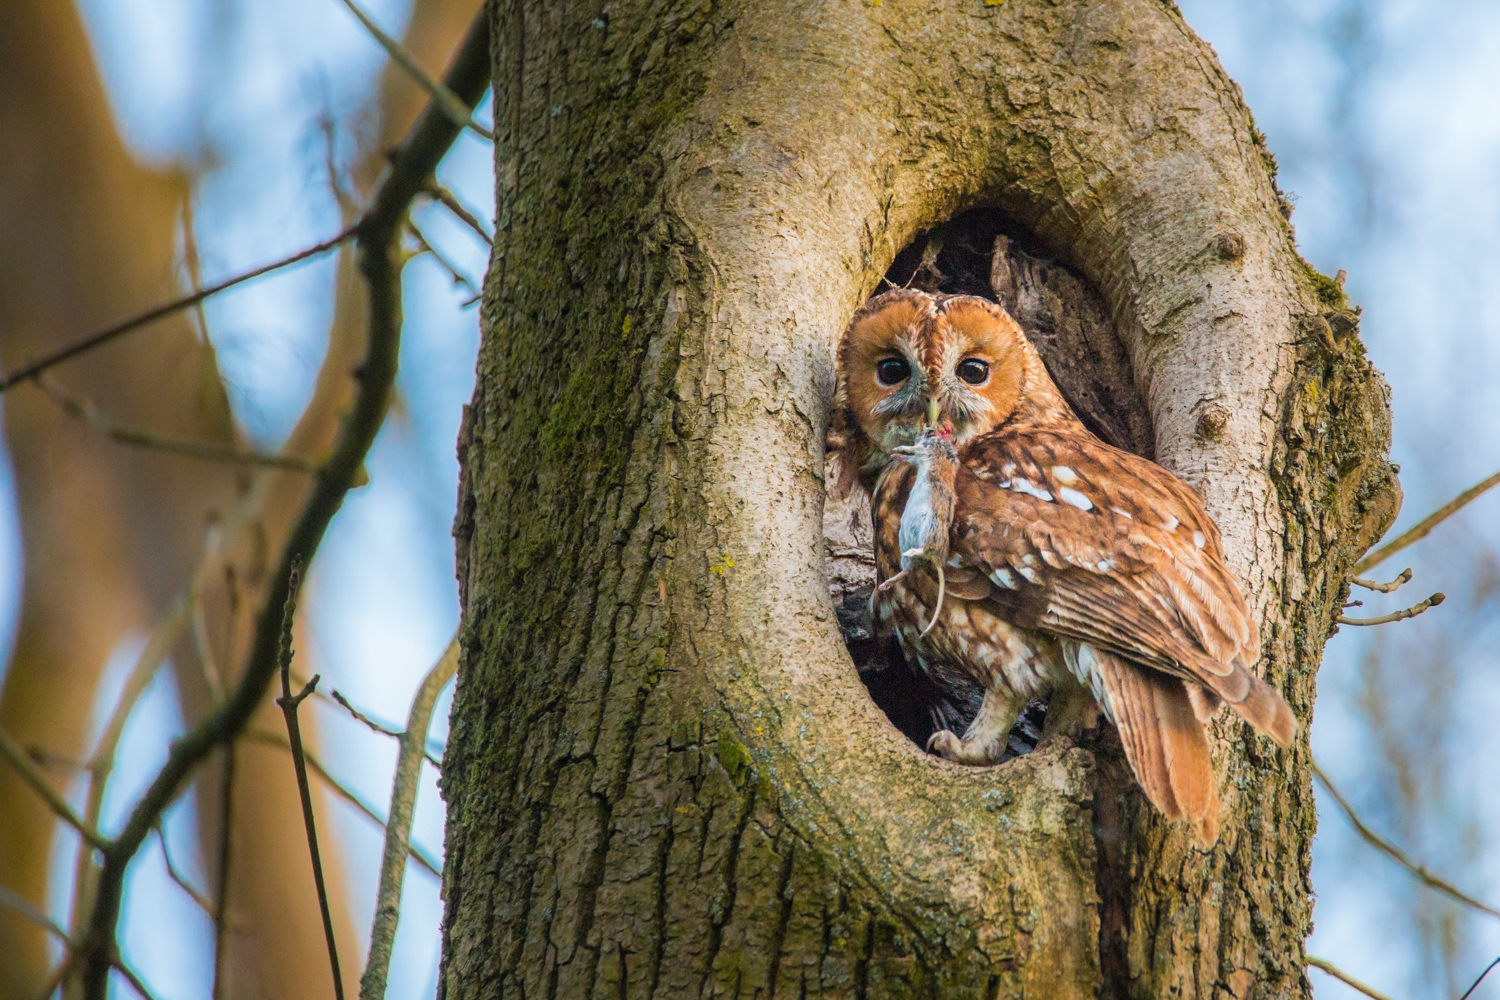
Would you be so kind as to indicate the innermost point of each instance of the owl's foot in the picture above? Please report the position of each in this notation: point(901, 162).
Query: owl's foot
point(985, 740)
point(1070, 710)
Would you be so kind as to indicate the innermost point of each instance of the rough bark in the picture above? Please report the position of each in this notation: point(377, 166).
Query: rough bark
point(664, 776)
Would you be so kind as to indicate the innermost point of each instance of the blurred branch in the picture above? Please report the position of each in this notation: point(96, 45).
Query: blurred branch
point(459, 278)
point(1424, 528)
point(398, 829)
point(1385, 588)
point(204, 903)
point(29, 773)
point(1395, 853)
point(90, 414)
point(450, 201)
point(34, 368)
point(382, 728)
point(102, 762)
point(1345, 978)
point(289, 703)
point(134, 980)
point(221, 894)
point(458, 110)
point(376, 233)
point(1397, 616)
point(34, 913)
point(1475, 986)
point(344, 792)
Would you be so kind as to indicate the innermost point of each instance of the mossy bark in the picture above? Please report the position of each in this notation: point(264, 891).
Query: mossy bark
point(664, 776)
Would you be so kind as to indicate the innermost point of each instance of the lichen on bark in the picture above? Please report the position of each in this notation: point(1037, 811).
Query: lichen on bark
point(664, 776)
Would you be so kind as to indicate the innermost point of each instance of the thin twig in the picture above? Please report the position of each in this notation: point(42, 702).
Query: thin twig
point(135, 981)
point(221, 895)
point(102, 761)
point(1425, 526)
point(459, 278)
point(1486, 972)
point(90, 414)
point(34, 913)
point(381, 728)
point(344, 792)
point(289, 703)
point(426, 144)
point(1345, 978)
point(34, 368)
point(1395, 853)
point(29, 773)
point(441, 96)
point(450, 201)
point(398, 829)
point(203, 901)
point(1403, 578)
point(1397, 616)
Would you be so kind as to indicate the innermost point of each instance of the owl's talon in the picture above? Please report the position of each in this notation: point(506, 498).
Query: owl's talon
point(887, 585)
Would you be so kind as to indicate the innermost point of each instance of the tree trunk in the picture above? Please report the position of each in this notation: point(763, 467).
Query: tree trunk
point(665, 777)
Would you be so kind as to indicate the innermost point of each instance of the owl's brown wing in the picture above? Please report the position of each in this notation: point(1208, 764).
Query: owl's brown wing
point(1098, 545)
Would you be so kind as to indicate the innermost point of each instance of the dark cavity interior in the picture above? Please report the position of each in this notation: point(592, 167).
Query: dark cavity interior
point(981, 252)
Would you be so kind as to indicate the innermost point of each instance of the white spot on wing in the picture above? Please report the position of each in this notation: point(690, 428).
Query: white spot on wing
point(955, 561)
point(1075, 498)
point(1027, 572)
point(1105, 566)
point(1199, 540)
point(1008, 469)
point(1021, 485)
point(1063, 474)
point(1122, 513)
point(1172, 523)
point(1004, 578)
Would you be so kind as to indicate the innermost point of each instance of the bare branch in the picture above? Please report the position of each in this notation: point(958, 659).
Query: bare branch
point(34, 368)
point(1397, 616)
point(372, 984)
point(1345, 978)
point(380, 727)
point(413, 163)
point(12, 752)
point(221, 894)
point(1385, 588)
point(450, 201)
point(1395, 853)
point(135, 981)
point(204, 903)
point(442, 97)
point(1476, 983)
point(289, 703)
point(459, 278)
point(34, 913)
point(1425, 526)
point(344, 792)
point(86, 411)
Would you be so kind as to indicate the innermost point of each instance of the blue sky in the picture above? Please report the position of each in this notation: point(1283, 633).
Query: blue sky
point(1382, 114)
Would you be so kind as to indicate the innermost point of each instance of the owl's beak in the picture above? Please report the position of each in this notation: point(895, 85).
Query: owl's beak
point(933, 410)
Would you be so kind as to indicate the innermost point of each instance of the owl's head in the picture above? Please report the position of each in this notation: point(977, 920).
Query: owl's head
point(910, 361)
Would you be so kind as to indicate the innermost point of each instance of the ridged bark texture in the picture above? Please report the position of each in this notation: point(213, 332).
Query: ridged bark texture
point(664, 777)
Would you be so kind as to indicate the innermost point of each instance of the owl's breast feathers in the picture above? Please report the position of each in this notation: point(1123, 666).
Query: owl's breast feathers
point(1073, 537)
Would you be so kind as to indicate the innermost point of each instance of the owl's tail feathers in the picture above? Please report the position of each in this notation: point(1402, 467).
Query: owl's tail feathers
point(1164, 742)
point(1265, 709)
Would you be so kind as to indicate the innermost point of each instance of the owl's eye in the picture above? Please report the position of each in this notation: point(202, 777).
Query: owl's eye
point(974, 371)
point(891, 371)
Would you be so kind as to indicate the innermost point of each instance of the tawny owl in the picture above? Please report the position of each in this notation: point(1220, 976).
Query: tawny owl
point(1017, 548)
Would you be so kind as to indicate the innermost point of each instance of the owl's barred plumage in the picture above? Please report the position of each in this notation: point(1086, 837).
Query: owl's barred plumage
point(1018, 548)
